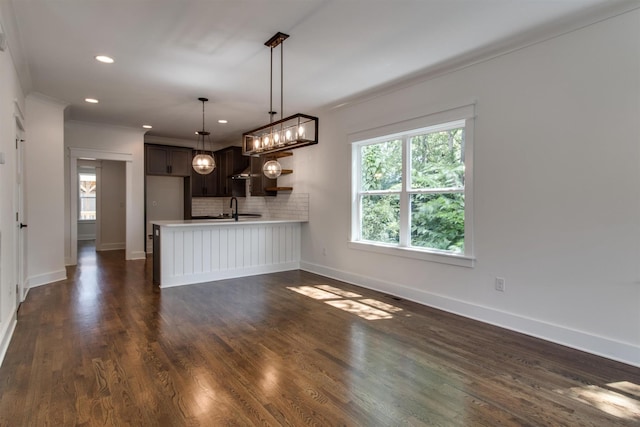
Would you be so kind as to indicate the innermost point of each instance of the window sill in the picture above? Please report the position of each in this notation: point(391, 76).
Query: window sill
point(86, 221)
point(413, 253)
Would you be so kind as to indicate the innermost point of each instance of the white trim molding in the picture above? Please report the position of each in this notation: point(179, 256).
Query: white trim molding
point(111, 246)
point(6, 334)
point(46, 278)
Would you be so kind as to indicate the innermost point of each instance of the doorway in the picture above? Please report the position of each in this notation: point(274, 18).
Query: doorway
point(76, 155)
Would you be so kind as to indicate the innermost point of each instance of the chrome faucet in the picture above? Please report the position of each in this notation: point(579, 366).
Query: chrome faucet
point(234, 214)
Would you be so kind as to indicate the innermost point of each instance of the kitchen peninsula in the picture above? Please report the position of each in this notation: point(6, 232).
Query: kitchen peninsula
point(196, 251)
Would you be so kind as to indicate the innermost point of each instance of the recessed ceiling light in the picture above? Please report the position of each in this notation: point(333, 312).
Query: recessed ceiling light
point(91, 100)
point(105, 59)
point(147, 126)
point(222, 121)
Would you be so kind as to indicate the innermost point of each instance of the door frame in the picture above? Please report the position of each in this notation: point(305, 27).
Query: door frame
point(76, 154)
point(20, 236)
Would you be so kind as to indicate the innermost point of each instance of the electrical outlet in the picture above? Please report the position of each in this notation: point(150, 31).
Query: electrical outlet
point(500, 287)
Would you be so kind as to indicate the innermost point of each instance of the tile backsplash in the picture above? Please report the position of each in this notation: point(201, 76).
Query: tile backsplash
point(284, 206)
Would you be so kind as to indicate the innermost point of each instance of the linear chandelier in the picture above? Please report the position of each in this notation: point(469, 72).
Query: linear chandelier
point(287, 133)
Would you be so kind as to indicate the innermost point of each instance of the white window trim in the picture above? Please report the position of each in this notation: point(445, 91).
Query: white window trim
point(464, 113)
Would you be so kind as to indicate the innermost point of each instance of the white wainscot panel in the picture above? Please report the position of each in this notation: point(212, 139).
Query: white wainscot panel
point(206, 253)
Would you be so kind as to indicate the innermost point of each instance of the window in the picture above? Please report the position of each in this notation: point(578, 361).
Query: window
point(412, 190)
point(87, 195)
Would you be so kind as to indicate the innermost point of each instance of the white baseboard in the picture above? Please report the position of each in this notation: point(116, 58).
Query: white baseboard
point(111, 246)
point(600, 346)
point(46, 278)
point(6, 333)
point(86, 237)
point(134, 255)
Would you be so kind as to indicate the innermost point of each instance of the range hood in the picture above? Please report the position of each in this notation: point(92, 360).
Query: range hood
point(245, 174)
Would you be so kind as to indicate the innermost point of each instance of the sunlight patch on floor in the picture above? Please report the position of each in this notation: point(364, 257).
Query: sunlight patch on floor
point(362, 310)
point(339, 291)
point(609, 401)
point(314, 293)
point(381, 305)
point(367, 308)
point(627, 387)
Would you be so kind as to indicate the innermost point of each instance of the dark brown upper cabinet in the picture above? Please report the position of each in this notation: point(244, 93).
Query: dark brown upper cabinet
point(231, 162)
point(167, 160)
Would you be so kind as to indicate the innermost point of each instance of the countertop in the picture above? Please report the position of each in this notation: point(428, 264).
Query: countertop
point(222, 222)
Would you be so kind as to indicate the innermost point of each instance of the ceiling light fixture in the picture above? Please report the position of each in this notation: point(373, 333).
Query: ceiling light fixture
point(91, 100)
point(223, 121)
point(203, 162)
point(147, 126)
point(105, 59)
point(294, 131)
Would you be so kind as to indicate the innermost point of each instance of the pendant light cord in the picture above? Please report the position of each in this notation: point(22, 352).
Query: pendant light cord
point(271, 89)
point(271, 113)
point(203, 119)
point(281, 80)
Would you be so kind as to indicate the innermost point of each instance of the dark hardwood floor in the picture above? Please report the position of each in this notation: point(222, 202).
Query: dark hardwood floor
point(106, 347)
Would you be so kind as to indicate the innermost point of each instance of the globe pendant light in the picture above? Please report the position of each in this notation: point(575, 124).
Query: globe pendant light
point(203, 162)
point(272, 169)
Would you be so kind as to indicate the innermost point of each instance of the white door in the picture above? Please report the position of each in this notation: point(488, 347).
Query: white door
point(20, 221)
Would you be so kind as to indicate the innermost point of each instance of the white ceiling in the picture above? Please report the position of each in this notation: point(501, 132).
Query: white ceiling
point(170, 52)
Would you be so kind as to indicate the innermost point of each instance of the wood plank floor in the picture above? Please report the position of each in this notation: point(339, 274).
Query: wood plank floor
point(106, 347)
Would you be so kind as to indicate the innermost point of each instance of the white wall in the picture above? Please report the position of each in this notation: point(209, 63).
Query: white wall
point(111, 139)
point(87, 230)
point(10, 93)
point(112, 215)
point(557, 199)
point(44, 190)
